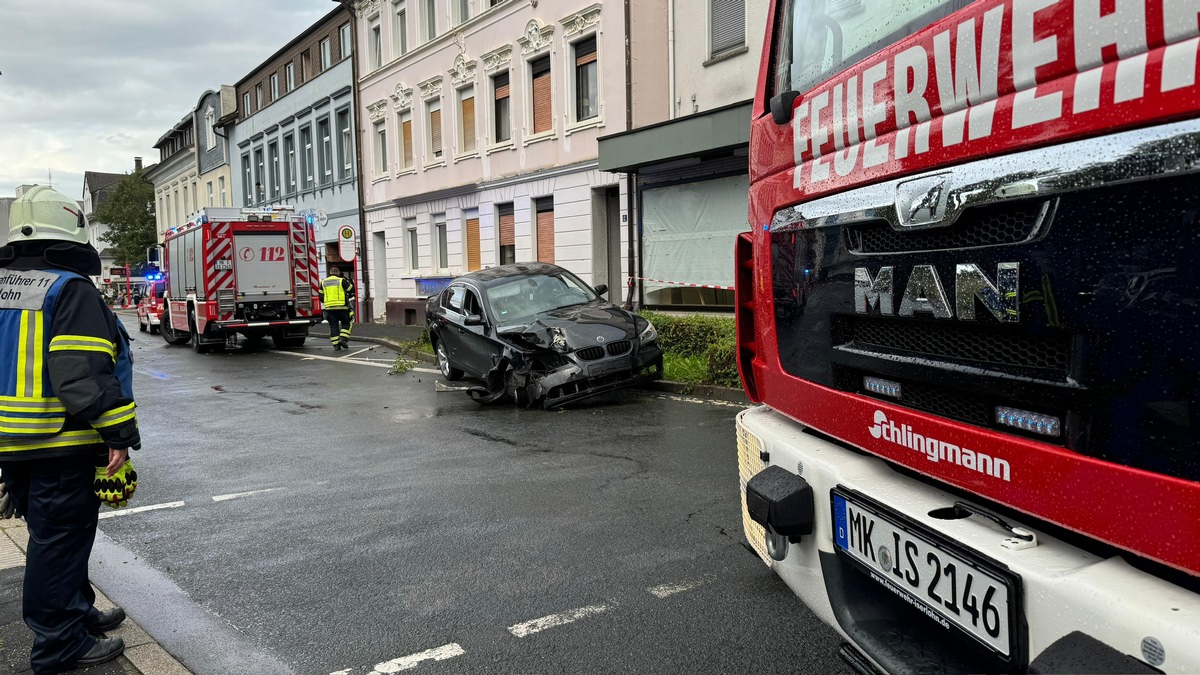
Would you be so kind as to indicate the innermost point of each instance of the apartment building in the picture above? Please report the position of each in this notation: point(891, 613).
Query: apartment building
point(291, 136)
point(687, 151)
point(480, 121)
point(176, 177)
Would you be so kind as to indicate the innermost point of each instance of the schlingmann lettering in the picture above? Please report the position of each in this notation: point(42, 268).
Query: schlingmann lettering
point(936, 450)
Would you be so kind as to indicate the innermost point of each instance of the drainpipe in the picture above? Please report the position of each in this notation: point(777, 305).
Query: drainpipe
point(367, 301)
point(671, 56)
point(630, 178)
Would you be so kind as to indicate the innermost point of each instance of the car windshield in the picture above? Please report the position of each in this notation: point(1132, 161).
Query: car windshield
point(522, 298)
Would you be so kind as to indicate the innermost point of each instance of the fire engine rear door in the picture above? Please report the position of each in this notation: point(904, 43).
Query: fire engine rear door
point(263, 264)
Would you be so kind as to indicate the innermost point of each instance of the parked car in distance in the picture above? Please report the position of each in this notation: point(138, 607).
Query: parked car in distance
point(537, 333)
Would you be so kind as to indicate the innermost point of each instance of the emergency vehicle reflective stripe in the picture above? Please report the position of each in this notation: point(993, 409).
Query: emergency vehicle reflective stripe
point(30, 425)
point(29, 353)
point(82, 343)
point(114, 417)
point(63, 440)
point(31, 405)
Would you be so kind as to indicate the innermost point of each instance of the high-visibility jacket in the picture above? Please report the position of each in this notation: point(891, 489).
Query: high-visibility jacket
point(333, 292)
point(66, 373)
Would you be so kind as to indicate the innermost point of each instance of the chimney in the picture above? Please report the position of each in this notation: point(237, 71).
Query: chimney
point(137, 163)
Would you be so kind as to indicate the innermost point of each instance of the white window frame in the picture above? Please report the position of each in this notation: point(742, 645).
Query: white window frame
point(375, 46)
point(211, 194)
point(532, 136)
point(326, 157)
point(306, 158)
point(247, 180)
point(274, 185)
point(274, 87)
point(346, 146)
point(402, 117)
point(429, 22)
point(400, 27)
point(258, 94)
point(462, 11)
point(221, 187)
point(290, 76)
point(440, 234)
point(412, 245)
point(326, 54)
point(289, 164)
point(460, 133)
point(210, 132)
point(246, 103)
point(380, 148)
point(494, 140)
point(431, 159)
point(573, 85)
point(344, 36)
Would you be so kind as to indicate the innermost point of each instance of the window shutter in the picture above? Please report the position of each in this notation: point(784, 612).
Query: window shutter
point(542, 116)
point(728, 24)
point(435, 129)
point(545, 236)
point(508, 229)
point(468, 123)
point(501, 87)
point(585, 52)
point(473, 259)
point(406, 132)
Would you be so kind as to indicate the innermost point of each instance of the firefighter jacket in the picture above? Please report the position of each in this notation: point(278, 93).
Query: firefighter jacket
point(335, 293)
point(66, 373)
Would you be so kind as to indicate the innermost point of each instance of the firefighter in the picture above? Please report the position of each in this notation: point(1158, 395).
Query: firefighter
point(67, 422)
point(337, 296)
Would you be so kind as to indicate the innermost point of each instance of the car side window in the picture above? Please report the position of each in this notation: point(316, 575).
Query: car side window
point(471, 304)
point(453, 298)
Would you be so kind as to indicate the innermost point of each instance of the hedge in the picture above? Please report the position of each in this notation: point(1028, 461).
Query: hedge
point(712, 338)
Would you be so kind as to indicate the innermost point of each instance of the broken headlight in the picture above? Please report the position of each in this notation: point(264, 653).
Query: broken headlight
point(649, 334)
point(559, 341)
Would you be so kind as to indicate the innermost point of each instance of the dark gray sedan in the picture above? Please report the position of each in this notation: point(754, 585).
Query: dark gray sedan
point(539, 334)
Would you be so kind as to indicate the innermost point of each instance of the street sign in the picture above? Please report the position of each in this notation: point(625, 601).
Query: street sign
point(347, 243)
point(322, 217)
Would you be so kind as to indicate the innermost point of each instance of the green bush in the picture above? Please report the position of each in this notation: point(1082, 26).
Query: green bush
point(697, 349)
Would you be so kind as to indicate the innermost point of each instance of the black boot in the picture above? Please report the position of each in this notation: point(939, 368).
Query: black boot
point(106, 621)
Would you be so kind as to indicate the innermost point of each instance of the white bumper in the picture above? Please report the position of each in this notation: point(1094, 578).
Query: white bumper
point(1064, 590)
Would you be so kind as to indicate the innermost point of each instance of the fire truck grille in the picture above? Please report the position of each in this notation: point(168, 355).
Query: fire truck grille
point(973, 345)
point(226, 301)
point(977, 227)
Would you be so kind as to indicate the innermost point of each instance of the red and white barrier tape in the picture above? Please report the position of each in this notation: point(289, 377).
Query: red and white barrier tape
point(682, 283)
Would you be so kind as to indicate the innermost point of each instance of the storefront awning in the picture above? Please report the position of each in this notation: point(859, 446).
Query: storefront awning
point(692, 136)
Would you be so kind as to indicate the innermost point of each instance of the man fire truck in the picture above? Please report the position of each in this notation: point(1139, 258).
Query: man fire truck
point(969, 303)
point(249, 271)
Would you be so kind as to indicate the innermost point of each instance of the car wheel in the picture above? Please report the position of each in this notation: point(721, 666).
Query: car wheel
point(449, 372)
point(197, 346)
point(169, 334)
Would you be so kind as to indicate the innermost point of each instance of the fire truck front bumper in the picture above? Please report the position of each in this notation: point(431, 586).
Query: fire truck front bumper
point(242, 325)
point(911, 575)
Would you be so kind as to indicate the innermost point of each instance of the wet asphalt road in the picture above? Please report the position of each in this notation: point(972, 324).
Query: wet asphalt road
point(400, 520)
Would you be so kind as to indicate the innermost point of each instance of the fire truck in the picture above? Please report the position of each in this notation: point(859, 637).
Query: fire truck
point(968, 305)
point(231, 271)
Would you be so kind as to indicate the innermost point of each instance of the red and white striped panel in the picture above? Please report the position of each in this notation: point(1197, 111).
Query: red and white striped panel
point(220, 247)
point(298, 233)
point(684, 283)
point(312, 267)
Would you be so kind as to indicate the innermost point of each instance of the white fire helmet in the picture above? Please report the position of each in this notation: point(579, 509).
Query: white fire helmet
point(42, 214)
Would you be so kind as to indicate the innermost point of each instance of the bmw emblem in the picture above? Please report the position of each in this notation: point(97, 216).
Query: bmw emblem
point(885, 558)
point(600, 338)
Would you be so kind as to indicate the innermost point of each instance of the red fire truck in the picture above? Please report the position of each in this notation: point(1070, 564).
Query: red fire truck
point(246, 271)
point(969, 303)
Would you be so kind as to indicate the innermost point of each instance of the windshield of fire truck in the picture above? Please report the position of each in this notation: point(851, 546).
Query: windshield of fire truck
point(818, 39)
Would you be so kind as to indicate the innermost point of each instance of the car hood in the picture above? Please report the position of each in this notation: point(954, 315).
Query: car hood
point(589, 325)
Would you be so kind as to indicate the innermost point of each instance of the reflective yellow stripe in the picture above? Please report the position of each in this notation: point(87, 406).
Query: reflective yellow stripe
point(23, 356)
point(20, 404)
point(28, 425)
point(82, 343)
point(115, 416)
point(65, 439)
point(38, 346)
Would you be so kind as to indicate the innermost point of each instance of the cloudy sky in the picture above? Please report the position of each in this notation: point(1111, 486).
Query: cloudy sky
point(87, 85)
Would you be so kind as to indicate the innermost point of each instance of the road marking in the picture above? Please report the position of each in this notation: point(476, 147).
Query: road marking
point(140, 509)
point(335, 359)
point(413, 660)
point(358, 352)
point(691, 399)
point(235, 495)
point(667, 590)
point(538, 625)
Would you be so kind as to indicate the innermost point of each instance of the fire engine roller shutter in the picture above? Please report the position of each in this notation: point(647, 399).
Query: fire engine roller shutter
point(263, 264)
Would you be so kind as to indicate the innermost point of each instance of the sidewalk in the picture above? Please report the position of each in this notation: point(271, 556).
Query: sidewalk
point(142, 656)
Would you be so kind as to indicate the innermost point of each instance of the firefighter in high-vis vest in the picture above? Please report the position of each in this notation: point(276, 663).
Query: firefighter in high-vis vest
point(67, 423)
point(337, 297)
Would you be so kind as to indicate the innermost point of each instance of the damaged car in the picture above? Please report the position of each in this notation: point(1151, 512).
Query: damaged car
point(539, 335)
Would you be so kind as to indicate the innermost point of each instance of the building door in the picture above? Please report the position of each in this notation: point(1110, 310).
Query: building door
point(379, 248)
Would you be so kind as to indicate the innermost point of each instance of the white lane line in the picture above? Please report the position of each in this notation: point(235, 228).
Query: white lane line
point(140, 509)
point(413, 660)
point(342, 672)
point(691, 399)
point(538, 625)
point(667, 590)
point(308, 357)
point(357, 352)
point(235, 495)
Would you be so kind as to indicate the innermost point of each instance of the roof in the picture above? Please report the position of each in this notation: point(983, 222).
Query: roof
point(97, 180)
point(294, 41)
point(493, 275)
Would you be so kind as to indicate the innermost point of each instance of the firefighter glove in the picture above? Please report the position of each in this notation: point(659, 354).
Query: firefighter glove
point(8, 508)
point(116, 490)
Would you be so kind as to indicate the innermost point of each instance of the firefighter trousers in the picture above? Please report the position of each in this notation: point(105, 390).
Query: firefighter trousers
point(339, 326)
point(58, 499)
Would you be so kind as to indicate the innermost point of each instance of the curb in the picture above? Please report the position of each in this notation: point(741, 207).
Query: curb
point(706, 391)
point(142, 656)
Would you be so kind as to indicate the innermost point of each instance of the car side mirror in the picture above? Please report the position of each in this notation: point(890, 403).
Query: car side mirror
point(601, 289)
point(473, 320)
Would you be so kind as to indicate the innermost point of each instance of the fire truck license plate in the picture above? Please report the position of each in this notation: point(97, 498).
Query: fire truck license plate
point(948, 587)
point(224, 264)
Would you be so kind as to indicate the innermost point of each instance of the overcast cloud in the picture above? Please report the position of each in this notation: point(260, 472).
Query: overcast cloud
point(87, 85)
